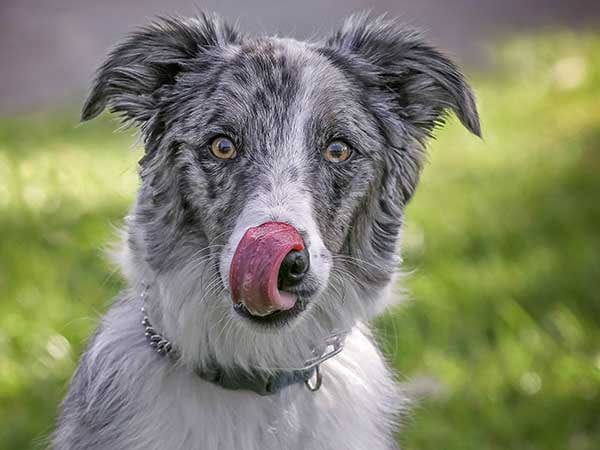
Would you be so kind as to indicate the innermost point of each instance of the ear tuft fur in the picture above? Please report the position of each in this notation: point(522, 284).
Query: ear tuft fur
point(149, 59)
point(425, 83)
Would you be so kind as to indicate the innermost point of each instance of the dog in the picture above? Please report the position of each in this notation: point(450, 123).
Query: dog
point(263, 238)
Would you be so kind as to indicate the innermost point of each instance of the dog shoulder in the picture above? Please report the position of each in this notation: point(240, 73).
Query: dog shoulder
point(101, 395)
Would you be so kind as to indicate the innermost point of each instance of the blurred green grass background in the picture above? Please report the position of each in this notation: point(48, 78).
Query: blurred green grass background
point(500, 336)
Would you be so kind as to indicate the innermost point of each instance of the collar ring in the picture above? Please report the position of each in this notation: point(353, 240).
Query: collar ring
point(318, 380)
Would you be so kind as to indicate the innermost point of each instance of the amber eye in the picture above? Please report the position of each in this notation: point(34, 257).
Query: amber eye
point(337, 152)
point(223, 148)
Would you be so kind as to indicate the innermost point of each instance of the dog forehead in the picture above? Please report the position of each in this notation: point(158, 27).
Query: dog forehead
point(279, 69)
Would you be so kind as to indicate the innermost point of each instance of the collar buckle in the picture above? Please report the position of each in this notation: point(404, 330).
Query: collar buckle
point(334, 344)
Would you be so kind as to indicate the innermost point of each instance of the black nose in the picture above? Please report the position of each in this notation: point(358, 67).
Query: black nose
point(293, 268)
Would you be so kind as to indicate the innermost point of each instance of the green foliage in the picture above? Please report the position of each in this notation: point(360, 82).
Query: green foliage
point(501, 335)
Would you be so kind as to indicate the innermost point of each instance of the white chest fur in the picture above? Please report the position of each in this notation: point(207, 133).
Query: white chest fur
point(354, 409)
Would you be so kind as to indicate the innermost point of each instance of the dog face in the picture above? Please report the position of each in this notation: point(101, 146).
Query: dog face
point(326, 137)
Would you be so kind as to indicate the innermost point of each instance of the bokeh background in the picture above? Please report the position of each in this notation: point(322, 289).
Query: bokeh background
point(499, 339)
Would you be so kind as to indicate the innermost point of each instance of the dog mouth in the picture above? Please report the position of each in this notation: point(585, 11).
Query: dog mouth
point(277, 318)
point(266, 270)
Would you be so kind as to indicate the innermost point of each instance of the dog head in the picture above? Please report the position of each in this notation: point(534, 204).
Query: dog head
point(274, 177)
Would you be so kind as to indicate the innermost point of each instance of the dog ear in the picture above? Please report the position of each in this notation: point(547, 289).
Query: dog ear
point(425, 84)
point(150, 59)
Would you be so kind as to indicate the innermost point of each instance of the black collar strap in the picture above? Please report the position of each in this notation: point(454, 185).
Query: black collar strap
point(259, 381)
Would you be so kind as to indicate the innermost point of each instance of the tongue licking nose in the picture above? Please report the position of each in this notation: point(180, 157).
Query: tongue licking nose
point(255, 267)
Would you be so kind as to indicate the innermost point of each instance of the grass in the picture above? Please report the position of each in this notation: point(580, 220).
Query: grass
point(501, 335)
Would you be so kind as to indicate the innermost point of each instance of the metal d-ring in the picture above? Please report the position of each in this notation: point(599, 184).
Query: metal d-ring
point(318, 380)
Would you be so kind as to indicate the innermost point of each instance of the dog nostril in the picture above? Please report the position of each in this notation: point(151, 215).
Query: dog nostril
point(293, 268)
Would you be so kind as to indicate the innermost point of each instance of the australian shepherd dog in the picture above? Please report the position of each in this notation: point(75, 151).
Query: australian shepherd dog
point(263, 238)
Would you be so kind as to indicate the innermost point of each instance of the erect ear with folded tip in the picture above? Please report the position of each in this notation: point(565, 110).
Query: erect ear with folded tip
point(147, 63)
point(425, 84)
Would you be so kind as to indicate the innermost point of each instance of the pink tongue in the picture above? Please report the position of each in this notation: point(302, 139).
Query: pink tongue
point(255, 267)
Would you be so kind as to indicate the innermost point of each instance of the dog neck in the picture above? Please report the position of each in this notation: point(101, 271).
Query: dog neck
point(261, 381)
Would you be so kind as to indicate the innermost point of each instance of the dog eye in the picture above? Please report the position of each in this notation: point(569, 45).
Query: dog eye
point(337, 152)
point(223, 148)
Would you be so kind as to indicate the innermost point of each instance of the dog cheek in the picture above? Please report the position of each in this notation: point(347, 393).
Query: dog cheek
point(339, 204)
point(217, 198)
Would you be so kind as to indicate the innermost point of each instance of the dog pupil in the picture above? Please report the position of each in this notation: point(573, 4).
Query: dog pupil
point(336, 150)
point(224, 146)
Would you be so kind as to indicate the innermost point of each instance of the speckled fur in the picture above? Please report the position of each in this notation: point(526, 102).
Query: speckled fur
point(183, 81)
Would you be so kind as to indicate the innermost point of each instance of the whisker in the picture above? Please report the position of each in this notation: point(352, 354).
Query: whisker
point(354, 260)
